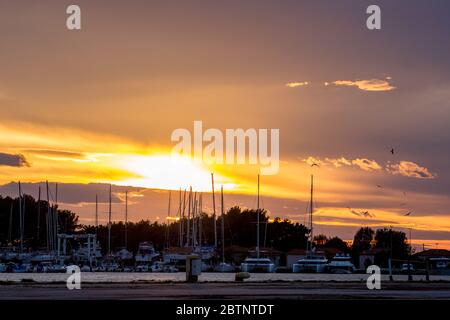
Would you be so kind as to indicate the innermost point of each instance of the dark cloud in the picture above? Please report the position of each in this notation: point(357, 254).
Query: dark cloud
point(13, 160)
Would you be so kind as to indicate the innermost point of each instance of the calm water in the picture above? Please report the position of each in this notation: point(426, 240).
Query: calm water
point(128, 277)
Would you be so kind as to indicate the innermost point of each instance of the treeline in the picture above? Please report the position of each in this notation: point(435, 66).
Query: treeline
point(35, 215)
point(383, 244)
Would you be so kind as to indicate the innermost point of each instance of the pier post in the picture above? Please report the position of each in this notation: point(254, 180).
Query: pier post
point(193, 268)
point(391, 278)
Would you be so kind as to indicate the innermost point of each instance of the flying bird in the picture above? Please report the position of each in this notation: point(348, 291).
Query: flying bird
point(367, 214)
point(315, 164)
point(379, 186)
point(392, 150)
point(408, 213)
point(355, 213)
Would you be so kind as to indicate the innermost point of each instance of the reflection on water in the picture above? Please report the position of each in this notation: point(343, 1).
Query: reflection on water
point(126, 277)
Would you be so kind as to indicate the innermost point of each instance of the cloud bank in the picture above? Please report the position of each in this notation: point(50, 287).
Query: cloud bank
point(404, 168)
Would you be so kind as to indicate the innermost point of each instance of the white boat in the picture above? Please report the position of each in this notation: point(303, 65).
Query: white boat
point(440, 263)
point(9, 253)
point(110, 264)
point(341, 263)
point(224, 267)
point(83, 252)
point(146, 253)
point(142, 268)
point(312, 262)
point(315, 264)
point(22, 268)
point(41, 257)
point(160, 266)
point(258, 265)
point(85, 268)
point(123, 254)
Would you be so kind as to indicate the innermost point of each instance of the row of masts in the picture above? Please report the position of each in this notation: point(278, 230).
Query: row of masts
point(190, 235)
point(52, 225)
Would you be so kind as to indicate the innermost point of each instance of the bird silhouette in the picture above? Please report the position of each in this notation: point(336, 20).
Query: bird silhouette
point(408, 213)
point(392, 150)
point(355, 213)
point(379, 186)
point(365, 214)
point(315, 164)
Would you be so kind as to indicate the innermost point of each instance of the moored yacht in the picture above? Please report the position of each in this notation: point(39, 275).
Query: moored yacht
point(341, 263)
point(224, 267)
point(146, 253)
point(258, 263)
point(310, 263)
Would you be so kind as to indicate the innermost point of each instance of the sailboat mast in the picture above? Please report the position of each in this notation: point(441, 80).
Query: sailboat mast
point(55, 218)
point(126, 219)
point(38, 214)
point(109, 222)
point(168, 221)
point(194, 212)
point(214, 210)
point(96, 213)
point(179, 219)
point(223, 225)
point(20, 218)
point(311, 207)
point(48, 218)
point(257, 224)
point(182, 219)
point(10, 223)
point(188, 223)
point(200, 204)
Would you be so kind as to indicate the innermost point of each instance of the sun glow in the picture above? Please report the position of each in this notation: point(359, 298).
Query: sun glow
point(168, 172)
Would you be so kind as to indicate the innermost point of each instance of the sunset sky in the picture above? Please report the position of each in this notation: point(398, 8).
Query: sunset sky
point(96, 106)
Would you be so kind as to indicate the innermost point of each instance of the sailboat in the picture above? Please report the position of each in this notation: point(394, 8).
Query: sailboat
point(257, 264)
point(123, 255)
point(312, 262)
point(109, 261)
point(223, 266)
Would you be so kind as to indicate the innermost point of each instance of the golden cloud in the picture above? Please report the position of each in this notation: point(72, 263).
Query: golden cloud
point(366, 85)
point(410, 169)
point(362, 163)
point(297, 84)
point(366, 164)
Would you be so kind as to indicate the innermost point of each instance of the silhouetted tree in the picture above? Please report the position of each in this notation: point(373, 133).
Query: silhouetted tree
point(394, 243)
point(337, 243)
